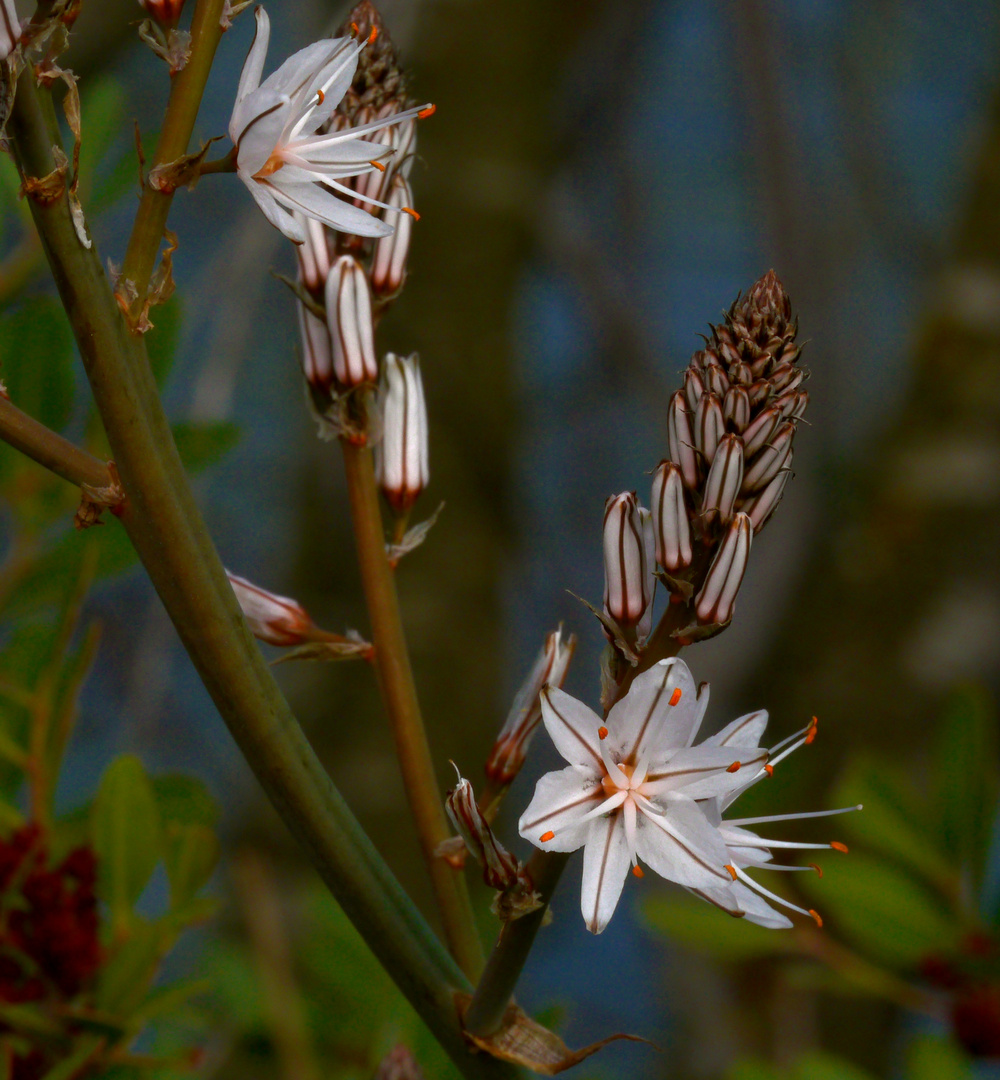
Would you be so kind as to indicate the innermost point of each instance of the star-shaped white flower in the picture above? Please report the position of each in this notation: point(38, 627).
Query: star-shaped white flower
point(636, 788)
point(288, 165)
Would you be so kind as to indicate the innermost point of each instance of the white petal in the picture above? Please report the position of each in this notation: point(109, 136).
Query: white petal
point(253, 66)
point(302, 67)
point(315, 201)
point(573, 728)
point(256, 128)
point(745, 847)
point(605, 866)
point(681, 845)
point(645, 720)
point(560, 799)
point(746, 730)
point(276, 214)
point(333, 79)
point(357, 151)
point(702, 772)
point(738, 900)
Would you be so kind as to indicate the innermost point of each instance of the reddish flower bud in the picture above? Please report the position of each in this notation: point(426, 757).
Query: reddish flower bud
point(725, 477)
point(774, 457)
point(389, 260)
point(716, 381)
point(349, 317)
point(627, 577)
point(709, 426)
point(671, 527)
point(759, 431)
point(736, 408)
point(680, 439)
point(694, 388)
point(717, 598)
point(500, 868)
point(401, 457)
point(165, 12)
point(793, 404)
point(271, 618)
point(762, 505)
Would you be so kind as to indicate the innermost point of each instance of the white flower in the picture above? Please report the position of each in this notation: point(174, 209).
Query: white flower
point(632, 789)
point(638, 789)
point(280, 156)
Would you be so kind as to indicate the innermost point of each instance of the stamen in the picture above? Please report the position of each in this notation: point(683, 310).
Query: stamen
point(546, 837)
point(815, 915)
point(675, 696)
point(602, 733)
point(409, 210)
point(320, 97)
point(769, 769)
point(838, 846)
point(735, 767)
point(637, 871)
point(732, 871)
point(355, 29)
point(817, 868)
point(429, 111)
point(373, 35)
point(791, 817)
point(757, 887)
point(809, 738)
point(378, 165)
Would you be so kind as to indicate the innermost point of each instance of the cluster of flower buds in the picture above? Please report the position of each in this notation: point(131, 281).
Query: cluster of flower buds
point(10, 28)
point(401, 456)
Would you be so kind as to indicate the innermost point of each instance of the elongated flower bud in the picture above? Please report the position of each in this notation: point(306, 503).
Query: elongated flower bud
point(776, 455)
point(10, 28)
point(760, 430)
point(511, 746)
point(680, 439)
point(275, 619)
point(736, 408)
point(500, 868)
point(792, 404)
point(670, 518)
point(313, 256)
point(389, 260)
point(401, 458)
point(694, 388)
point(349, 317)
point(717, 598)
point(709, 426)
point(762, 505)
point(317, 353)
point(724, 480)
point(716, 380)
point(627, 578)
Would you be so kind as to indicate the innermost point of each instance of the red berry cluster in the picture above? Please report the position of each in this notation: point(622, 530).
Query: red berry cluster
point(48, 928)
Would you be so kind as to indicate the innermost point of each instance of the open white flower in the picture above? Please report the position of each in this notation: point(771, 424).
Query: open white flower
point(281, 156)
point(635, 789)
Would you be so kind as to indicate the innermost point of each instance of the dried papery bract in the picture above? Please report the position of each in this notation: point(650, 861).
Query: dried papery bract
point(511, 746)
point(402, 466)
point(349, 318)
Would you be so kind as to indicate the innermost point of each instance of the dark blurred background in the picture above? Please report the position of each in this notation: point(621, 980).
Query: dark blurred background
point(600, 181)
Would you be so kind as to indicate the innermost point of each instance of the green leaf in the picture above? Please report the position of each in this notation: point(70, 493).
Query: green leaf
point(167, 999)
point(126, 832)
point(894, 820)
point(36, 360)
point(703, 927)
point(161, 341)
point(820, 1066)
point(966, 775)
point(930, 1058)
point(191, 855)
point(887, 913)
point(124, 980)
point(204, 443)
point(185, 800)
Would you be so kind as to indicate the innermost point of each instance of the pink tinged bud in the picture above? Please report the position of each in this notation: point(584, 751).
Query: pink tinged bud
point(763, 504)
point(694, 387)
point(626, 576)
point(792, 405)
point(758, 392)
point(525, 714)
point(716, 380)
point(670, 518)
point(165, 12)
point(499, 866)
point(717, 598)
point(373, 185)
point(349, 317)
point(389, 260)
point(775, 456)
point(680, 439)
point(271, 618)
point(740, 374)
point(725, 477)
point(645, 624)
point(313, 255)
point(762, 428)
point(785, 377)
point(317, 353)
point(402, 466)
point(709, 426)
point(736, 408)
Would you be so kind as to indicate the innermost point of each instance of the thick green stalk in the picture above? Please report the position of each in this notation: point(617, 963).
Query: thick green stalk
point(57, 454)
point(169, 534)
point(399, 693)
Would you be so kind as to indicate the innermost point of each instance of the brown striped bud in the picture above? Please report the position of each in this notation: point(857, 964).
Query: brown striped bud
point(401, 457)
point(628, 579)
point(793, 404)
point(671, 527)
point(717, 598)
point(694, 388)
point(349, 317)
point(725, 477)
point(762, 505)
point(709, 426)
point(275, 619)
point(736, 408)
point(389, 260)
point(740, 374)
point(716, 381)
point(313, 255)
point(680, 439)
point(774, 457)
point(317, 353)
point(500, 868)
point(760, 429)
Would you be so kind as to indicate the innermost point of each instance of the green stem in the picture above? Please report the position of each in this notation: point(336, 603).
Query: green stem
point(399, 693)
point(57, 454)
point(169, 534)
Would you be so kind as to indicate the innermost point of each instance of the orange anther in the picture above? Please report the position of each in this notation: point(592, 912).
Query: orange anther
point(732, 871)
point(675, 696)
point(816, 916)
point(602, 733)
point(355, 29)
point(373, 35)
point(378, 165)
point(637, 871)
point(546, 837)
point(429, 111)
point(811, 733)
point(816, 867)
point(735, 767)
point(769, 769)
point(320, 97)
point(409, 210)
point(838, 846)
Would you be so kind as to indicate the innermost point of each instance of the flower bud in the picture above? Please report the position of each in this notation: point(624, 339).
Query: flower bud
point(736, 408)
point(792, 405)
point(10, 28)
point(758, 392)
point(165, 12)
point(313, 255)
point(401, 457)
point(694, 387)
point(349, 317)
point(627, 578)
point(500, 868)
point(785, 377)
point(776, 455)
point(371, 186)
point(709, 426)
point(717, 598)
point(740, 374)
point(725, 477)
point(671, 527)
point(716, 381)
point(511, 746)
point(389, 260)
point(405, 145)
point(760, 430)
point(317, 355)
point(762, 505)
point(680, 439)
point(271, 618)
